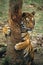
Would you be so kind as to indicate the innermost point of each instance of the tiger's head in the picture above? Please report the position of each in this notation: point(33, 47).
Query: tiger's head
point(28, 20)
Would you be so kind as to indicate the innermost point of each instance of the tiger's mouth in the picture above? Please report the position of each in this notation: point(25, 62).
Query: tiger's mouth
point(29, 29)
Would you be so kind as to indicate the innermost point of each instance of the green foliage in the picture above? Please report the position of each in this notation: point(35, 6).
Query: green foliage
point(6, 61)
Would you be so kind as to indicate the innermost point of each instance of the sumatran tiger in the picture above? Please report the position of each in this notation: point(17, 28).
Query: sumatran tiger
point(27, 24)
point(6, 31)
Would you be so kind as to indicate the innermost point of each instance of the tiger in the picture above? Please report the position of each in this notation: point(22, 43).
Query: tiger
point(27, 24)
point(6, 30)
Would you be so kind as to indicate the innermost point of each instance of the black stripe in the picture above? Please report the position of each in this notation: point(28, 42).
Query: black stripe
point(24, 36)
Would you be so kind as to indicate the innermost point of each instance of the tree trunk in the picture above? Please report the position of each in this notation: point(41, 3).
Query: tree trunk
point(15, 13)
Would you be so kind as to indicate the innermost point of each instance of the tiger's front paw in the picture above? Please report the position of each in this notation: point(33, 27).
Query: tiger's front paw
point(16, 47)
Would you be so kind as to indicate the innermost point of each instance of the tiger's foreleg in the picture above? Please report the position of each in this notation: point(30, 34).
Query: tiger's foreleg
point(22, 45)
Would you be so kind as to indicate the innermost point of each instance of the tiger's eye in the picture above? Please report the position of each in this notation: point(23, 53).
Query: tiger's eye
point(27, 19)
point(32, 18)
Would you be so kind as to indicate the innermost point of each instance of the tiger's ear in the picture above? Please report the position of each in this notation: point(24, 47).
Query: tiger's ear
point(23, 14)
point(33, 13)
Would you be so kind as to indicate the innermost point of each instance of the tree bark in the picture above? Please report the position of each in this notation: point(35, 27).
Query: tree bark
point(15, 13)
